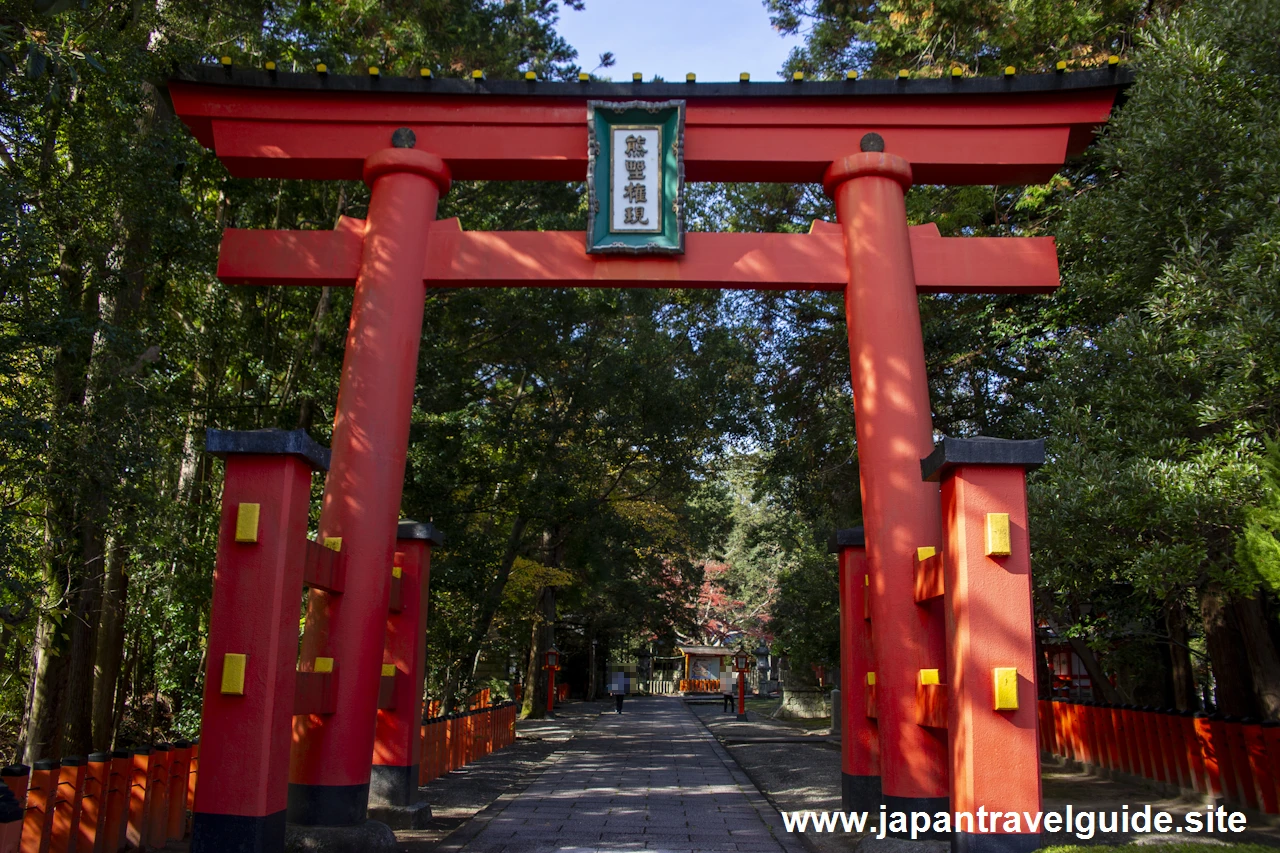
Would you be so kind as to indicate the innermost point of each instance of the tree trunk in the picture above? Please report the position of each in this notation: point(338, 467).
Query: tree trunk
point(110, 651)
point(544, 628)
point(493, 593)
point(1264, 664)
point(84, 628)
point(1232, 680)
point(1184, 681)
point(44, 717)
point(1101, 684)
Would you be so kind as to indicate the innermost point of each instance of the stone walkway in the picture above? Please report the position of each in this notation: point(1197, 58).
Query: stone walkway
point(651, 778)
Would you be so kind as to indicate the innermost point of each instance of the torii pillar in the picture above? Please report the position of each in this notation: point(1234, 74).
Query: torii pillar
point(329, 766)
point(894, 431)
point(859, 736)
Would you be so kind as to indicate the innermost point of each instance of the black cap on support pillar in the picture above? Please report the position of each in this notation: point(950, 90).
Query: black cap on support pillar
point(846, 537)
point(950, 452)
point(423, 530)
point(266, 442)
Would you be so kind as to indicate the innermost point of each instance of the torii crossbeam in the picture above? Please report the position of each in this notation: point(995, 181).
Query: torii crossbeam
point(867, 141)
point(724, 261)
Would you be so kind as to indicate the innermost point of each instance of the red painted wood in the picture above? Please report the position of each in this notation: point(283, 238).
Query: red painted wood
point(1206, 755)
point(92, 813)
point(1048, 742)
point(992, 754)
point(729, 261)
point(1226, 759)
point(928, 578)
point(176, 824)
point(66, 806)
point(315, 693)
point(953, 139)
point(256, 587)
point(1244, 786)
point(366, 476)
point(1107, 729)
point(1089, 732)
point(1194, 754)
point(894, 431)
point(136, 828)
point(396, 737)
point(931, 705)
point(859, 738)
point(1151, 731)
point(1178, 750)
point(324, 568)
point(1264, 785)
point(158, 795)
point(37, 819)
point(1271, 745)
point(119, 781)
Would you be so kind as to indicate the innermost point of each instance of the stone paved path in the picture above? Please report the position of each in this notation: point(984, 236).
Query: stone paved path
point(651, 778)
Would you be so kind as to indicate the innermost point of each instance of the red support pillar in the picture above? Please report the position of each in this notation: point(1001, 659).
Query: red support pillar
point(253, 642)
point(742, 696)
point(859, 737)
point(991, 665)
point(92, 813)
point(176, 825)
point(10, 820)
point(329, 765)
point(397, 745)
point(119, 784)
point(894, 431)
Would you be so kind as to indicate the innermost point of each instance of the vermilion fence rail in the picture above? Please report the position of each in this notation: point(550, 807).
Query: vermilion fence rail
point(451, 742)
point(141, 798)
point(110, 801)
point(699, 685)
point(1213, 755)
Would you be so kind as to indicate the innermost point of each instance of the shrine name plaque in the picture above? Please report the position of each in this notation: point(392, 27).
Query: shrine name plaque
point(635, 177)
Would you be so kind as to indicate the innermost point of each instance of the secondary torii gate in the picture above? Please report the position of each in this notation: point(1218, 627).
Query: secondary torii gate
point(867, 141)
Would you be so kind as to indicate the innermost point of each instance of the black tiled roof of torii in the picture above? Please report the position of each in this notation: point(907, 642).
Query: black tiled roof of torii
point(1108, 77)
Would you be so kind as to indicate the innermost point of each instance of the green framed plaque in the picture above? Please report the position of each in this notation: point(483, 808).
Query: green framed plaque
point(635, 177)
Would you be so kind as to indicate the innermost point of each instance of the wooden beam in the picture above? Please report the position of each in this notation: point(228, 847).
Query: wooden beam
point(953, 131)
point(726, 261)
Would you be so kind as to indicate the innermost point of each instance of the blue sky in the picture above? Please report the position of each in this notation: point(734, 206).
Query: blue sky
point(715, 39)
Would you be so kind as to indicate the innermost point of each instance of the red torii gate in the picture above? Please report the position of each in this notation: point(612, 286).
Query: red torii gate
point(867, 141)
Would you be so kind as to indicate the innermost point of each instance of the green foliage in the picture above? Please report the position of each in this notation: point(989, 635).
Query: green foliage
point(1258, 547)
point(1162, 387)
point(933, 37)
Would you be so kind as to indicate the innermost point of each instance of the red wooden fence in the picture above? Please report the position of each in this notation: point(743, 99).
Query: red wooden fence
point(111, 801)
point(141, 799)
point(450, 742)
point(1236, 759)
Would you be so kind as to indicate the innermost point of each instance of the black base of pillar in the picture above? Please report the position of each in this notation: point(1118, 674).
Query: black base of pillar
point(973, 842)
point(393, 785)
point(365, 837)
point(328, 805)
point(918, 804)
point(231, 833)
point(859, 793)
point(415, 816)
point(741, 718)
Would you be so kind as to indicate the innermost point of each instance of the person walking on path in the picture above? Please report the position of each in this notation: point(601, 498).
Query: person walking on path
point(726, 690)
point(618, 688)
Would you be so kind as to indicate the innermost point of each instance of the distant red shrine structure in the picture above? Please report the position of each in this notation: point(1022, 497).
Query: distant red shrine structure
point(935, 591)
